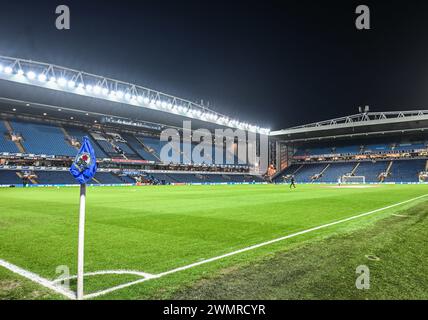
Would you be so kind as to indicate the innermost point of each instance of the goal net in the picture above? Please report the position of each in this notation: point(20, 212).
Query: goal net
point(353, 179)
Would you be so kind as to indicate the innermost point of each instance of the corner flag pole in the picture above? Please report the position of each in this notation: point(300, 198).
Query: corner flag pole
point(81, 247)
point(83, 169)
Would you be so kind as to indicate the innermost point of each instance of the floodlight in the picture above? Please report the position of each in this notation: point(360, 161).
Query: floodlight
point(89, 88)
point(105, 91)
point(31, 75)
point(42, 77)
point(20, 72)
point(71, 84)
point(62, 81)
point(8, 70)
point(97, 89)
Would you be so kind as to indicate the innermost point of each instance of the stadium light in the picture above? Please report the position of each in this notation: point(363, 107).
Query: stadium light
point(42, 77)
point(31, 75)
point(62, 81)
point(134, 94)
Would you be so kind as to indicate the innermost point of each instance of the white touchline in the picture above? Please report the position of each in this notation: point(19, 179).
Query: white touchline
point(155, 276)
point(37, 279)
point(71, 295)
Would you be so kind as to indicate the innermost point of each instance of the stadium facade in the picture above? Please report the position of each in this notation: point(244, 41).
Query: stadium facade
point(45, 110)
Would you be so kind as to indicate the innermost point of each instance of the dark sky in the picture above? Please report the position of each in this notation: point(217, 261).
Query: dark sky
point(275, 63)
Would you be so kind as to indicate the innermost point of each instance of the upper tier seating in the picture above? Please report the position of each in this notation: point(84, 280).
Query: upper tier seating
point(43, 139)
point(6, 145)
point(107, 147)
point(129, 153)
point(152, 143)
point(79, 134)
point(137, 146)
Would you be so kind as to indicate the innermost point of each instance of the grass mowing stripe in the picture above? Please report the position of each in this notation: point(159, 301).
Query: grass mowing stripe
point(103, 292)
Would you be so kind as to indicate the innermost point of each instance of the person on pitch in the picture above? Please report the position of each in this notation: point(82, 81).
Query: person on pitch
point(292, 182)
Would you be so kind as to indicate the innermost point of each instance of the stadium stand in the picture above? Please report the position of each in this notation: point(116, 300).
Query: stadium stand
point(43, 139)
point(371, 170)
point(406, 170)
point(6, 145)
point(107, 178)
point(139, 148)
point(9, 177)
point(55, 177)
point(336, 170)
point(79, 133)
point(308, 171)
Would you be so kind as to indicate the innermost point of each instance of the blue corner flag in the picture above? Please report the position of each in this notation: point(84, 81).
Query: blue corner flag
point(84, 165)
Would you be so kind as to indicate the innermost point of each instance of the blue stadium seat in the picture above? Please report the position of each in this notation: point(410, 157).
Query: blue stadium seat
point(137, 146)
point(79, 133)
point(43, 139)
point(406, 170)
point(307, 171)
point(8, 177)
point(371, 170)
point(5, 144)
point(336, 170)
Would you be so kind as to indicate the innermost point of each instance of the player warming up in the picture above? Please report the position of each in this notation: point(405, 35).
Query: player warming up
point(292, 183)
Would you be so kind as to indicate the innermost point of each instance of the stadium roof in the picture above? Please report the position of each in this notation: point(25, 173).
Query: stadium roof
point(108, 92)
point(362, 124)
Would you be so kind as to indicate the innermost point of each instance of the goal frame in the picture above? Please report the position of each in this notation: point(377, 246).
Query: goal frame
point(349, 180)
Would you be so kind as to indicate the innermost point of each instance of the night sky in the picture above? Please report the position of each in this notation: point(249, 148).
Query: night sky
point(274, 63)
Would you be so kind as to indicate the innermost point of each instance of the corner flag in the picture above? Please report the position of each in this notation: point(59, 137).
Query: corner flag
point(83, 170)
point(84, 165)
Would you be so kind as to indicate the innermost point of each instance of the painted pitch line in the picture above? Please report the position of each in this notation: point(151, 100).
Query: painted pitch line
point(155, 276)
point(104, 272)
point(37, 279)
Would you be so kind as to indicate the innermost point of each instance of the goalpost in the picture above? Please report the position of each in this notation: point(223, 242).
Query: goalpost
point(353, 179)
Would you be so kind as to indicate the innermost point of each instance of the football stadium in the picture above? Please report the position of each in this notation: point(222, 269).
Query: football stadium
point(202, 218)
point(213, 158)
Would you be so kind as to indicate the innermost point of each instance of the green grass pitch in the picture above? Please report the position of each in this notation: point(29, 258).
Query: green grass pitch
point(158, 228)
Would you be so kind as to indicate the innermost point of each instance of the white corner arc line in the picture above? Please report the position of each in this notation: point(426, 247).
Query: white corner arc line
point(37, 279)
point(125, 285)
point(106, 272)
